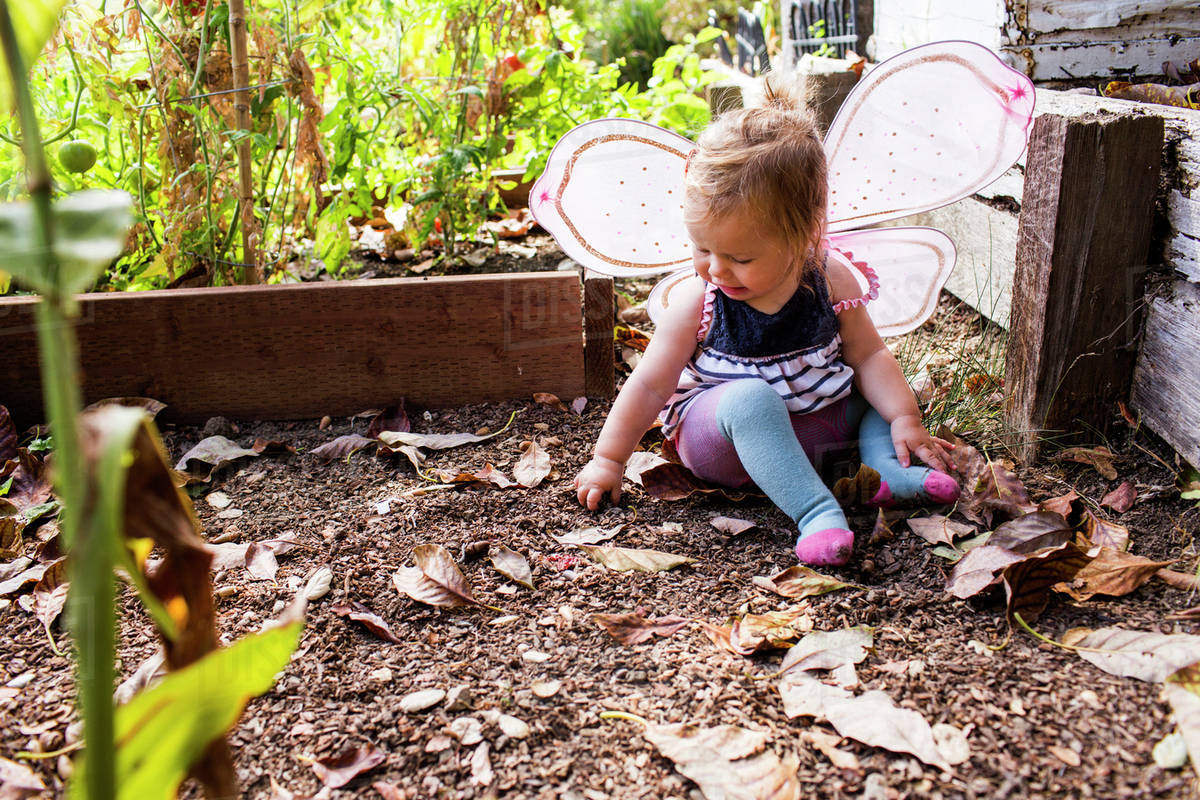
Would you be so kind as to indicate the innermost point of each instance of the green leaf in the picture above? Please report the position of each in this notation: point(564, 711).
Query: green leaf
point(89, 228)
point(34, 21)
point(165, 729)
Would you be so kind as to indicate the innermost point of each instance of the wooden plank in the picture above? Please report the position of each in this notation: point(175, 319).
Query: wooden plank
point(1166, 380)
point(1155, 15)
point(305, 350)
point(1083, 239)
point(1100, 59)
point(598, 367)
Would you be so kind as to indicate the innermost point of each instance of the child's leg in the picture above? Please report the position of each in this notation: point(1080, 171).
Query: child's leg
point(748, 415)
point(916, 482)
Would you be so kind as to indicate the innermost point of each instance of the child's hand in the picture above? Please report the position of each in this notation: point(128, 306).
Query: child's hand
point(599, 477)
point(910, 437)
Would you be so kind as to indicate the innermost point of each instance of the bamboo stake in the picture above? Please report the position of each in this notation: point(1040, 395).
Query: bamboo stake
point(241, 105)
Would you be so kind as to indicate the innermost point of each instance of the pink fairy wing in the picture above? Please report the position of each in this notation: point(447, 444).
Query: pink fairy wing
point(927, 127)
point(911, 265)
point(612, 195)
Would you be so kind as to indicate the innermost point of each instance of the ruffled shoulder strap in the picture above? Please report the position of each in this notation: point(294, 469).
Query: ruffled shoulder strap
point(706, 313)
point(866, 277)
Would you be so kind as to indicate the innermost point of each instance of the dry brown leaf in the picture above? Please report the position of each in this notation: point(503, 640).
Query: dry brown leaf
point(210, 455)
point(342, 447)
point(640, 462)
point(430, 441)
point(1104, 533)
point(1062, 504)
point(859, 490)
point(551, 400)
point(829, 649)
point(533, 466)
point(774, 630)
point(23, 578)
point(392, 418)
point(671, 481)
point(623, 559)
point(727, 762)
point(800, 581)
point(871, 718)
point(12, 543)
point(1099, 458)
point(1027, 583)
point(589, 535)
point(1146, 655)
point(826, 744)
point(8, 437)
point(50, 595)
point(1111, 572)
point(512, 565)
point(1120, 499)
point(938, 529)
point(349, 764)
point(31, 484)
point(261, 562)
point(978, 570)
point(368, 619)
point(436, 580)
point(631, 629)
point(1032, 532)
point(986, 485)
point(882, 531)
point(1189, 582)
point(732, 526)
point(1156, 93)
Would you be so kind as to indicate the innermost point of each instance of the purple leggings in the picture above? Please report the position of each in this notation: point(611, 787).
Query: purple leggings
point(826, 433)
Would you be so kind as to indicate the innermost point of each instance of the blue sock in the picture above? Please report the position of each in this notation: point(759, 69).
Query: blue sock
point(878, 453)
point(756, 421)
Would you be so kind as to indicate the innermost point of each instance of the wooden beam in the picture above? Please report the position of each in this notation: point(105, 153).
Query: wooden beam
point(1083, 240)
point(1166, 381)
point(306, 350)
point(598, 367)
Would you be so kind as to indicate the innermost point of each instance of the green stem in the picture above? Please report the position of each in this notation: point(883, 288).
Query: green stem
point(92, 611)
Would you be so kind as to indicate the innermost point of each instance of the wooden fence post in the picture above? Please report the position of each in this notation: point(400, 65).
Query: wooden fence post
point(599, 373)
point(1083, 241)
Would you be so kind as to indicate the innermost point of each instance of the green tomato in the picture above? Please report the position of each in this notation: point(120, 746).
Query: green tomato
point(77, 156)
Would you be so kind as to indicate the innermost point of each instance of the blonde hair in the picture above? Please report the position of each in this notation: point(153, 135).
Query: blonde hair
point(767, 161)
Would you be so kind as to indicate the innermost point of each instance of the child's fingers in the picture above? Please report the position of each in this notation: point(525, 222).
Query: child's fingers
point(902, 454)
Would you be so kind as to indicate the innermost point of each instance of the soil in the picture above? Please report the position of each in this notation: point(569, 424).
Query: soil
point(1040, 721)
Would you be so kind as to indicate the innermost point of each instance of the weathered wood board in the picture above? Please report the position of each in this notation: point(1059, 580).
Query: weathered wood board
point(1050, 39)
point(1079, 279)
point(1166, 380)
point(306, 350)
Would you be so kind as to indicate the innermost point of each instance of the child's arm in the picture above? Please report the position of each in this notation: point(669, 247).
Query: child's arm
point(879, 377)
point(642, 397)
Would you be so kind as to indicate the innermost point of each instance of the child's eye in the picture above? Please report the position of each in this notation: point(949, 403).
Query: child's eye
point(742, 260)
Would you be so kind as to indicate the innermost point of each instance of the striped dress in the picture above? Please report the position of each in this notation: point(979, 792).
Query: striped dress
point(797, 351)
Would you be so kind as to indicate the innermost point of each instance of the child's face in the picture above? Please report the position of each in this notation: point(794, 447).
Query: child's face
point(734, 253)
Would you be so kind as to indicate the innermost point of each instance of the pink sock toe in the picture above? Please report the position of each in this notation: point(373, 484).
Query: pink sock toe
point(830, 547)
point(941, 488)
point(883, 498)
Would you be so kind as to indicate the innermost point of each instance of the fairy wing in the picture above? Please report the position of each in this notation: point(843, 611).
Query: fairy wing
point(923, 129)
point(611, 195)
point(908, 265)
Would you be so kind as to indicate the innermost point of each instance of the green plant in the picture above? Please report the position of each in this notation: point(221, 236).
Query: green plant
point(118, 498)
